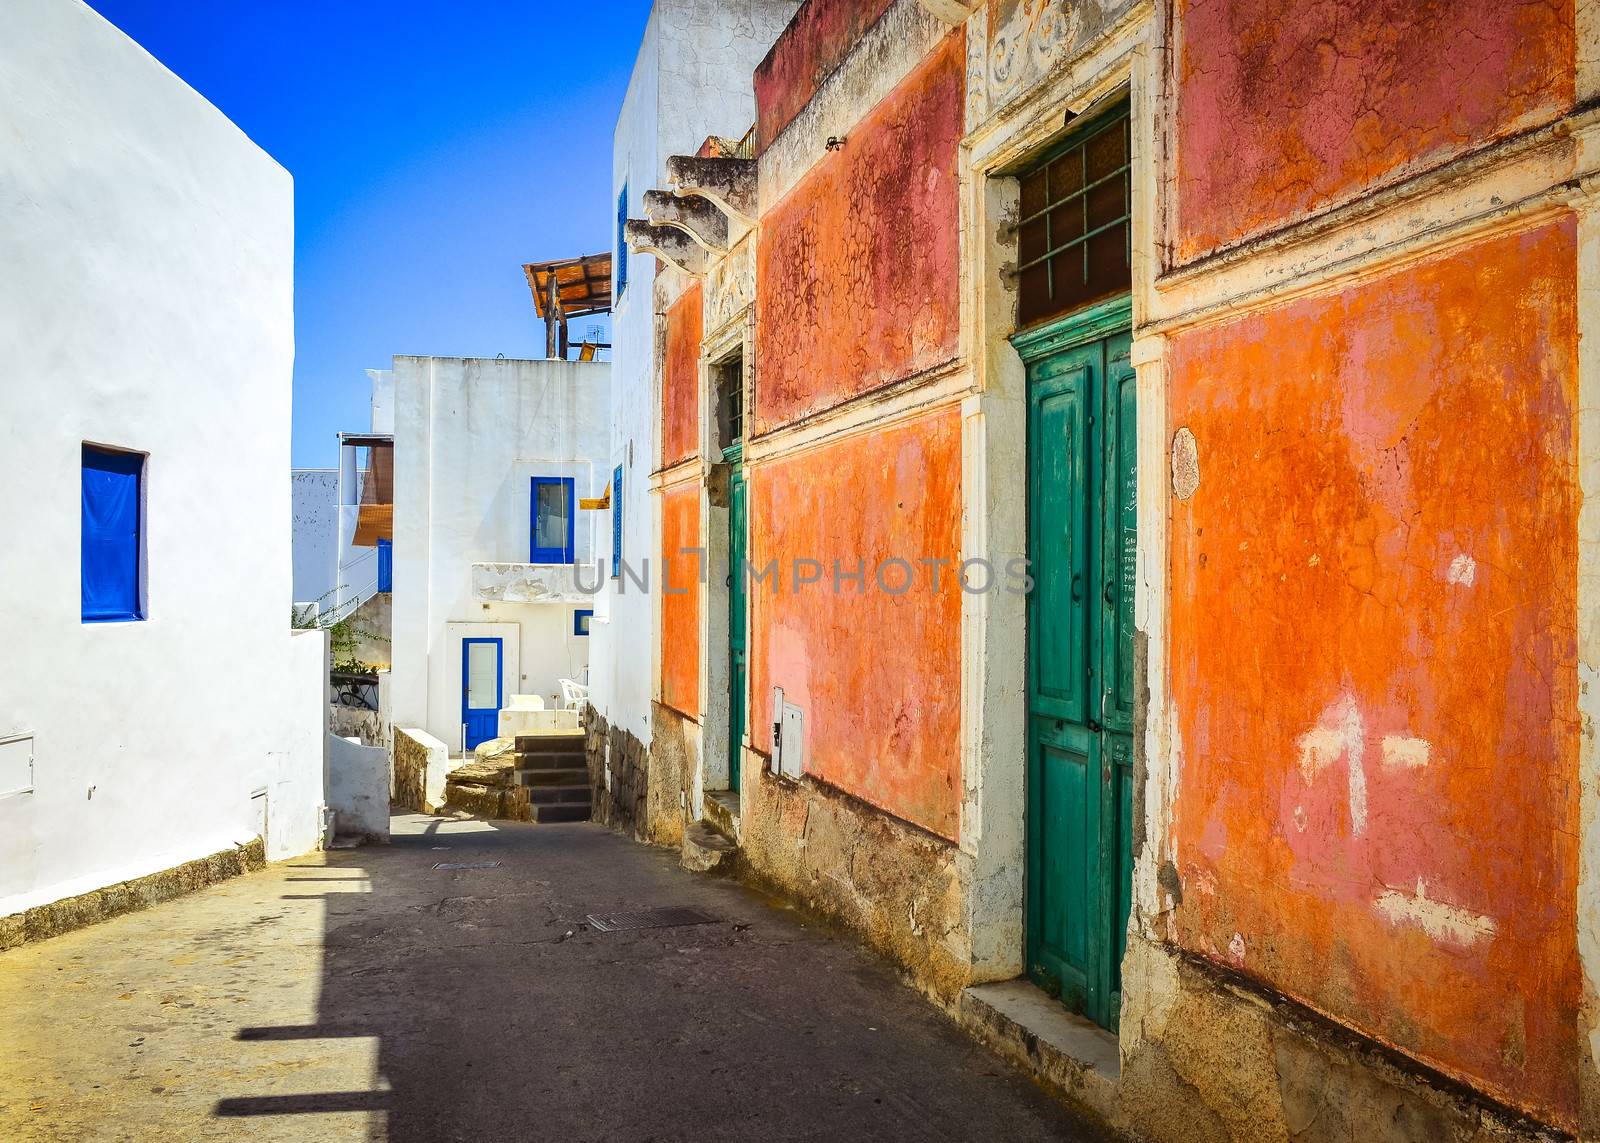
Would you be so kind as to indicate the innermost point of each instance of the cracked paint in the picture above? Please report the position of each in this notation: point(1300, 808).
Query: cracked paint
point(680, 599)
point(680, 377)
point(859, 264)
point(1284, 109)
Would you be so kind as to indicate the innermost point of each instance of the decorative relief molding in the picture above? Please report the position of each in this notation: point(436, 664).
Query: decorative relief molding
point(730, 286)
point(1008, 59)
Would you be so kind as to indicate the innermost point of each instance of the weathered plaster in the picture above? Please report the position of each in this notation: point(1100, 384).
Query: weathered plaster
point(680, 377)
point(1391, 427)
point(682, 571)
point(822, 33)
point(859, 265)
point(889, 737)
point(1283, 111)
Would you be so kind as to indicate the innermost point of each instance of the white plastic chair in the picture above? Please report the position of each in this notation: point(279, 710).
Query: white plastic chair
point(574, 695)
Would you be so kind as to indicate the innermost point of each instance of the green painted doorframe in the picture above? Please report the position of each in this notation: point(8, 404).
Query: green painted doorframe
point(1082, 539)
point(738, 513)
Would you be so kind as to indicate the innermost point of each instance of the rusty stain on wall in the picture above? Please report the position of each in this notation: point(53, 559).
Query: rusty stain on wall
point(858, 264)
point(1283, 109)
point(680, 598)
point(680, 378)
point(1378, 792)
point(876, 673)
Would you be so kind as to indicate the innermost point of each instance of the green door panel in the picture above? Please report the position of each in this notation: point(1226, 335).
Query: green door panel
point(737, 647)
point(1083, 544)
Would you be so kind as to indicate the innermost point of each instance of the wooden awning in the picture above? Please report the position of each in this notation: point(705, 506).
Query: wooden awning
point(374, 522)
point(583, 283)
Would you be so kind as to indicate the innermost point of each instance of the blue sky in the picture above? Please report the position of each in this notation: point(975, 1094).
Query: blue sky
point(435, 147)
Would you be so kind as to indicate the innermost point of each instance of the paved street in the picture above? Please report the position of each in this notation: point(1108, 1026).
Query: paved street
point(362, 994)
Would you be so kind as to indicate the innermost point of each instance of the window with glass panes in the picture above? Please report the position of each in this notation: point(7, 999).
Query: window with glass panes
point(1074, 244)
point(730, 402)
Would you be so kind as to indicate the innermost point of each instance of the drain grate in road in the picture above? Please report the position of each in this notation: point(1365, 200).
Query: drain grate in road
point(468, 865)
point(667, 918)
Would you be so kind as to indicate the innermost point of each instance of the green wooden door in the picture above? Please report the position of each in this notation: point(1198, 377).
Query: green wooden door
point(1082, 540)
point(737, 513)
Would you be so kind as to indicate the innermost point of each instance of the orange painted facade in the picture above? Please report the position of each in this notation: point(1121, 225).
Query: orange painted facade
point(877, 673)
point(680, 377)
point(859, 263)
point(680, 598)
point(1284, 109)
point(1377, 801)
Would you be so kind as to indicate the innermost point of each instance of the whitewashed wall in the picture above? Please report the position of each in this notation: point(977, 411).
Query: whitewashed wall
point(470, 434)
point(691, 79)
point(314, 507)
point(145, 303)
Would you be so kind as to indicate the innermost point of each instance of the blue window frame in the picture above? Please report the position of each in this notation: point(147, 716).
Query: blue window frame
point(619, 268)
point(551, 506)
point(616, 522)
point(385, 566)
point(580, 620)
point(113, 521)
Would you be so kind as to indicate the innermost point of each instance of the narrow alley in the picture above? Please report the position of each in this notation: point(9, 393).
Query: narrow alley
point(371, 993)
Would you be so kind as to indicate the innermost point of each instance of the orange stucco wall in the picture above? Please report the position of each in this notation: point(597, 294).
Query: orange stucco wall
point(859, 263)
point(1373, 660)
point(680, 377)
point(877, 674)
point(1286, 106)
point(680, 599)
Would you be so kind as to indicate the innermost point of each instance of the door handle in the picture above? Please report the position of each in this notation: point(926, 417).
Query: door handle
point(1094, 727)
point(1111, 595)
point(1077, 587)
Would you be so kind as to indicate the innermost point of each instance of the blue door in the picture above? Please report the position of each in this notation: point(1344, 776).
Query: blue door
point(385, 566)
point(482, 675)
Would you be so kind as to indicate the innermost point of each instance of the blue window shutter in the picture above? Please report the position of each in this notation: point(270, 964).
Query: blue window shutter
point(616, 522)
point(619, 271)
point(110, 537)
point(580, 620)
point(552, 530)
point(385, 566)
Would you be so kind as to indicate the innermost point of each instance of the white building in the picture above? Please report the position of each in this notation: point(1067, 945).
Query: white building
point(314, 509)
point(154, 705)
point(495, 563)
point(691, 80)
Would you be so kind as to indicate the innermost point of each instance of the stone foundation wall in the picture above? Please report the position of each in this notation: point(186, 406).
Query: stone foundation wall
point(674, 760)
point(129, 896)
point(896, 886)
point(1207, 1058)
point(619, 768)
point(420, 765)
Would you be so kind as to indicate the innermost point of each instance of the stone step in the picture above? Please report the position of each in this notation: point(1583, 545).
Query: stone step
point(570, 760)
point(704, 849)
point(559, 795)
point(561, 813)
point(575, 776)
point(549, 743)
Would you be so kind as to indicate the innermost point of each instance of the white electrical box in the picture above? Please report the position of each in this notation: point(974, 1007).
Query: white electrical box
point(16, 764)
point(793, 738)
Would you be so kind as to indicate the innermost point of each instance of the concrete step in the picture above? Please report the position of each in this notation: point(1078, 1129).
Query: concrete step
point(704, 849)
point(1062, 1050)
point(561, 813)
point(575, 776)
point(560, 795)
point(722, 813)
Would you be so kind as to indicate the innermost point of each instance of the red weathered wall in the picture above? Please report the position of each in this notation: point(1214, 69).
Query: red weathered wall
point(680, 377)
point(877, 674)
point(1286, 106)
point(810, 48)
point(1373, 657)
point(680, 613)
point(859, 263)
